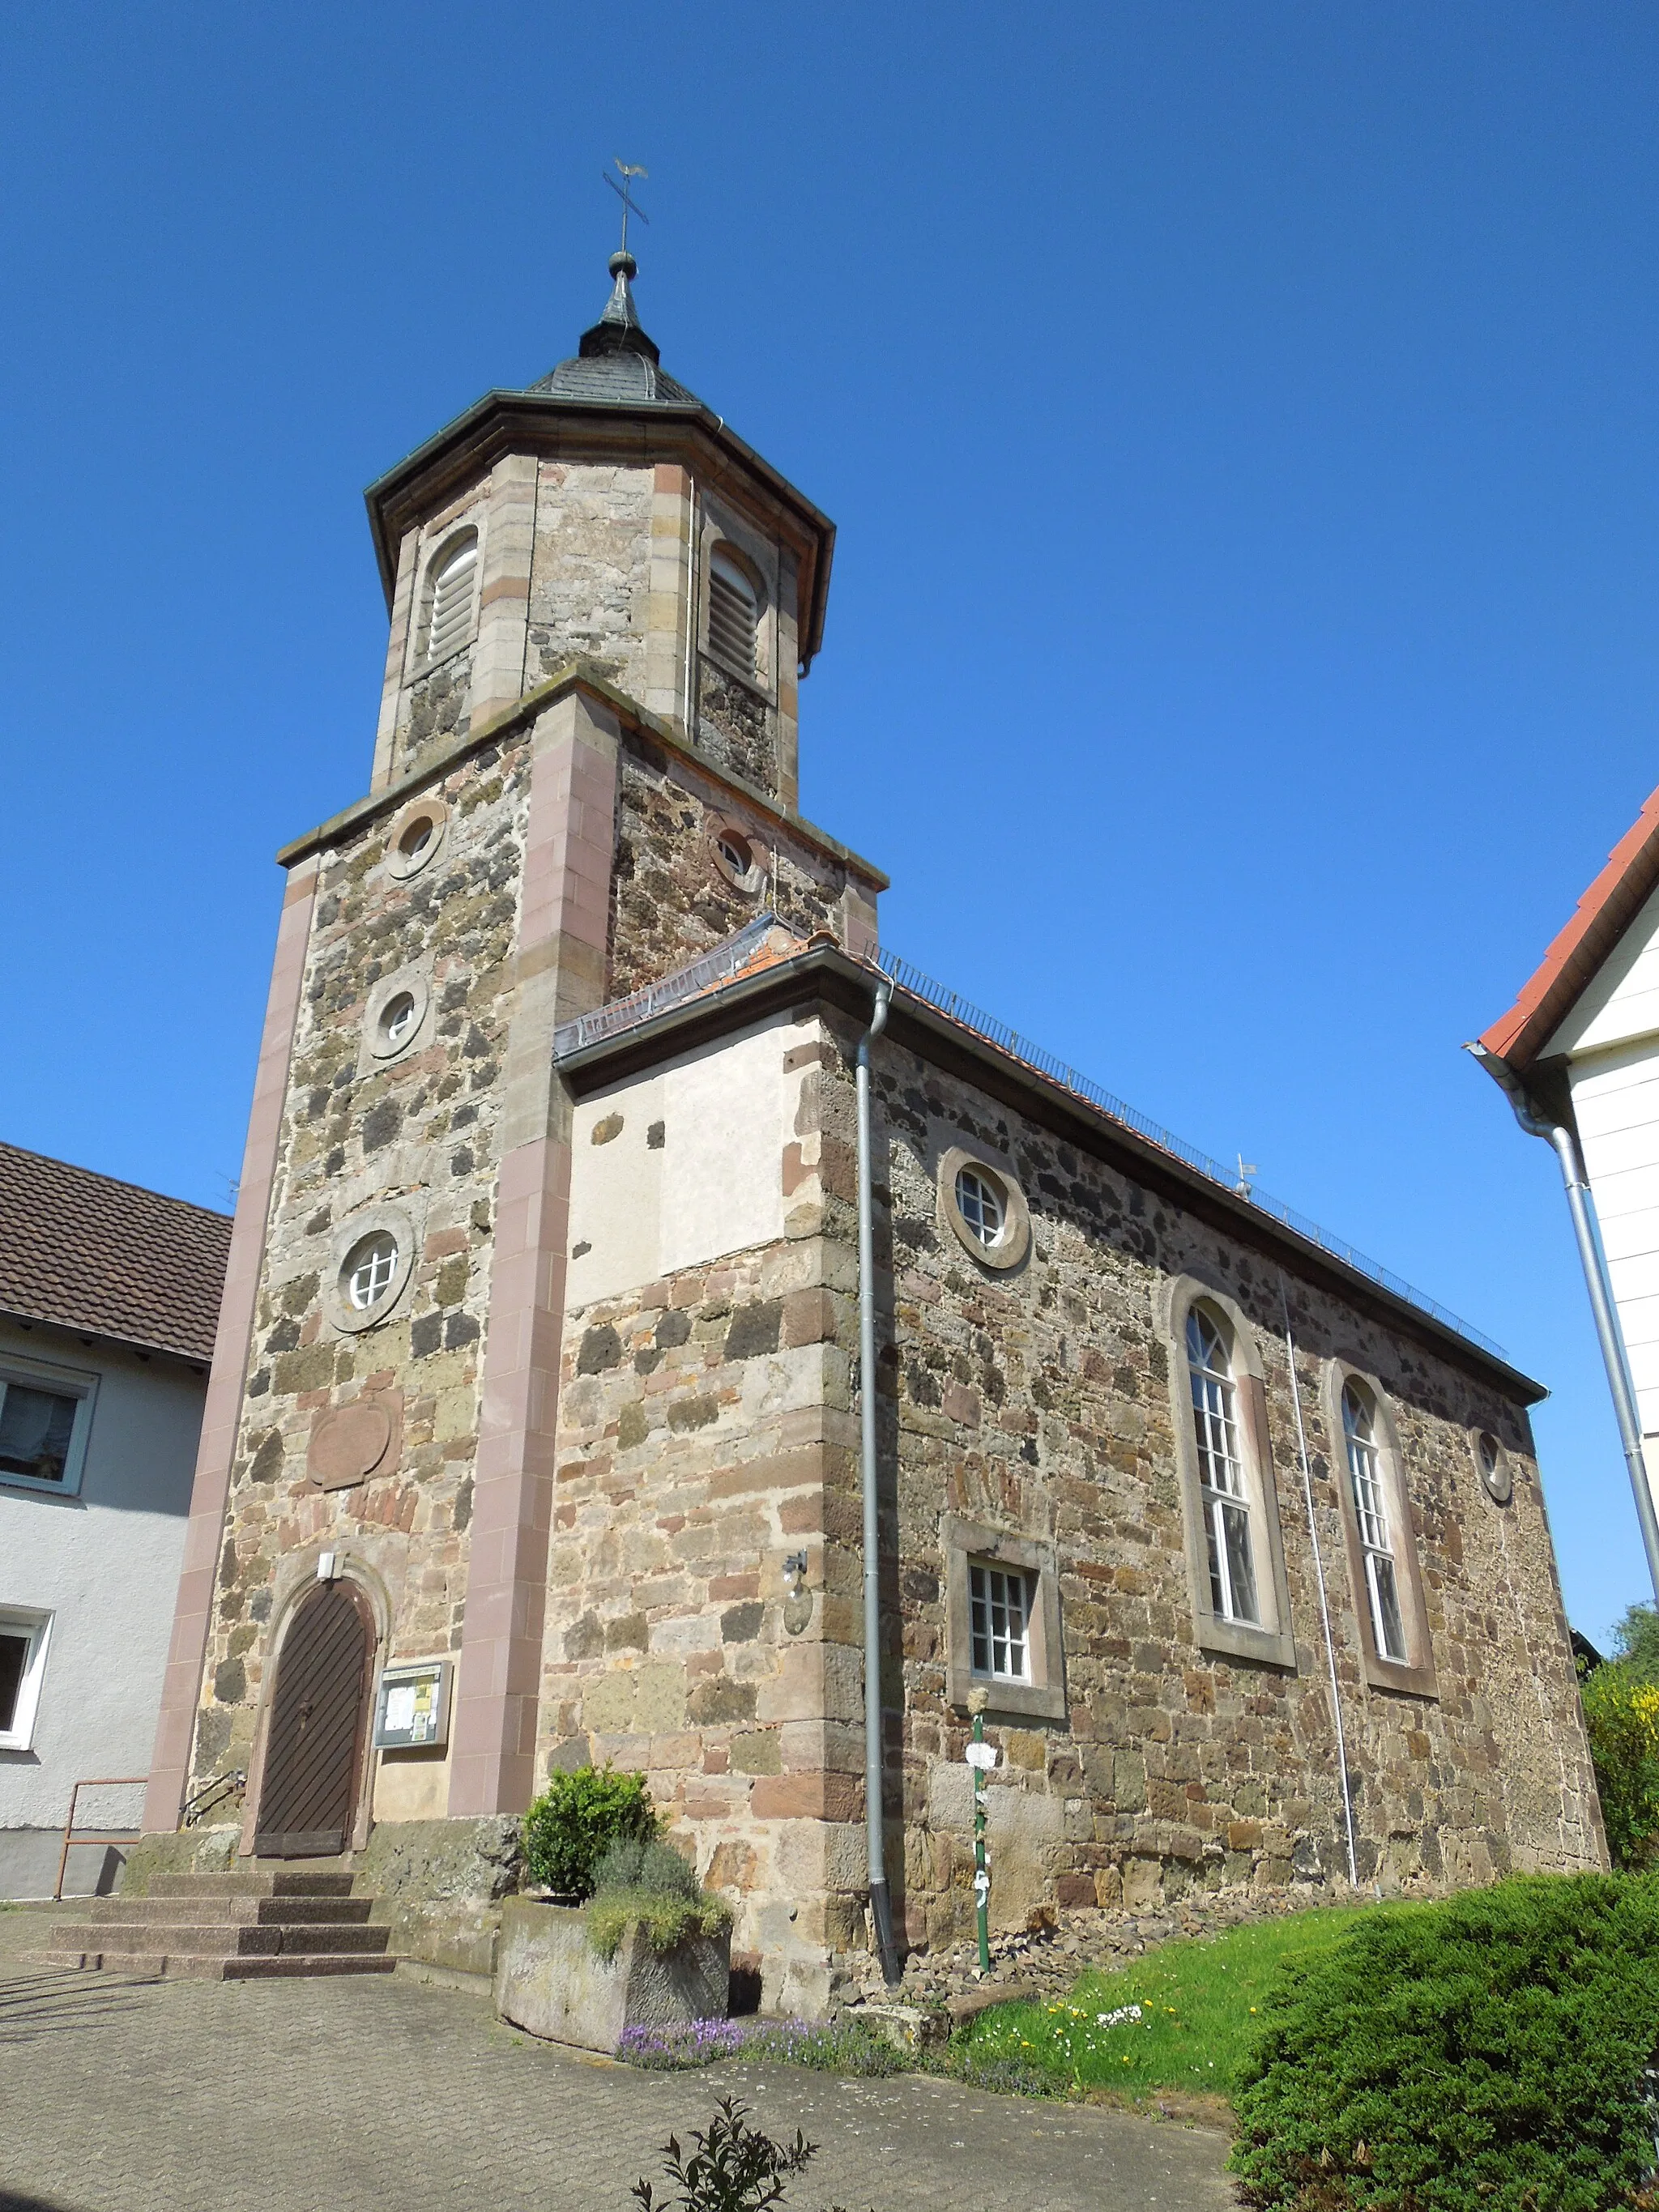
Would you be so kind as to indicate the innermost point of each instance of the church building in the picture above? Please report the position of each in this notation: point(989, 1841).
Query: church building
point(534, 1431)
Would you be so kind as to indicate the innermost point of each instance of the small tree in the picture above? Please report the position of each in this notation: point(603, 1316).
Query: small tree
point(1621, 1719)
point(577, 1819)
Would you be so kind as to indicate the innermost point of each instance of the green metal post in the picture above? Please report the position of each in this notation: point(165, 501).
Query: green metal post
point(977, 1701)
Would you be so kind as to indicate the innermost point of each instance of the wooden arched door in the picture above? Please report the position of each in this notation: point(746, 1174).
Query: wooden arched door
point(318, 1724)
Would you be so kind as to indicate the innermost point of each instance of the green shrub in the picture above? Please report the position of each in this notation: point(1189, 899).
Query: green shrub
point(577, 1820)
point(639, 1863)
point(1622, 1718)
point(1484, 2054)
point(665, 1921)
point(651, 1883)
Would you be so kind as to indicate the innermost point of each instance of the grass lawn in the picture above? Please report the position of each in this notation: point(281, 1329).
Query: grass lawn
point(1182, 2018)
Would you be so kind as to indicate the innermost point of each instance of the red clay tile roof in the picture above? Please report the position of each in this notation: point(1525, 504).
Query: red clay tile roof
point(1600, 919)
point(90, 1252)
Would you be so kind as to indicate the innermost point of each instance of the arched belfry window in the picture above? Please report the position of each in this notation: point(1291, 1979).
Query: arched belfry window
point(450, 617)
point(734, 611)
point(1224, 1481)
point(1370, 1513)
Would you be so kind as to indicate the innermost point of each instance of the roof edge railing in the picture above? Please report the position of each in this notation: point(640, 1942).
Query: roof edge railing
point(724, 961)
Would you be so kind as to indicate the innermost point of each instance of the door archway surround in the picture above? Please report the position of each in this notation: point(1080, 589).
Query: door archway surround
point(312, 1773)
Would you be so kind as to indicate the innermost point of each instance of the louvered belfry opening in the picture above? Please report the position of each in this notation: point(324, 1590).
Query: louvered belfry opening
point(452, 597)
point(734, 613)
point(317, 1723)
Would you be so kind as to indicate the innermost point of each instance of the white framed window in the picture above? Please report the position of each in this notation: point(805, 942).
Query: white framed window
point(46, 1415)
point(1002, 1630)
point(999, 1602)
point(735, 613)
point(980, 1205)
point(399, 1018)
point(1223, 1483)
point(24, 1636)
point(369, 1268)
point(453, 574)
point(1370, 1511)
point(984, 1208)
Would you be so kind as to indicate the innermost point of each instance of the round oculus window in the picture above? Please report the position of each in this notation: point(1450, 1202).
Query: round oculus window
point(369, 1268)
point(415, 836)
point(980, 1204)
point(400, 1018)
point(734, 851)
point(1493, 1462)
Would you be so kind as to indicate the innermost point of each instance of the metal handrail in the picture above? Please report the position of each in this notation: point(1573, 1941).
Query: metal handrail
point(204, 1801)
point(72, 1841)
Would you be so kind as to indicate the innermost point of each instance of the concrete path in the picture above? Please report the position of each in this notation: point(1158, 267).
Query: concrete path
point(315, 2096)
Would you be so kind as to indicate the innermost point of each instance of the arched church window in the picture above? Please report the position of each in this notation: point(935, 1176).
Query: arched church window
point(450, 618)
point(1223, 1483)
point(734, 613)
point(1370, 1507)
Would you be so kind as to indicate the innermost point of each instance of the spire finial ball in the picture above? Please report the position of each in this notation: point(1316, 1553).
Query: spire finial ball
point(623, 265)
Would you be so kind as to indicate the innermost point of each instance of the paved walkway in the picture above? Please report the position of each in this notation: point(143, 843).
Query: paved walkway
point(315, 2096)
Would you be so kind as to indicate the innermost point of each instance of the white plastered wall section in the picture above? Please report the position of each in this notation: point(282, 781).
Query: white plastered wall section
point(1611, 1043)
point(693, 1172)
point(105, 1563)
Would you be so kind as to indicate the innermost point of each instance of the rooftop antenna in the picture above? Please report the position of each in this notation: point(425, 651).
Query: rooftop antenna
point(1246, 1170)
point(624, 192)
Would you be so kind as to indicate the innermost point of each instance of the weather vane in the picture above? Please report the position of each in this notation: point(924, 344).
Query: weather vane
point(624, 192)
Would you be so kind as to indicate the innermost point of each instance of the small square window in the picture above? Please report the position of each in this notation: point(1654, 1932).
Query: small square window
point(1002, 1620)
point(23, 1639)
point(999, 1606)
point(45, 1414)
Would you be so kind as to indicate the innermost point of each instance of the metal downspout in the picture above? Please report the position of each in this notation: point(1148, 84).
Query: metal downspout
point(881, 1906)
point(1581, 1206)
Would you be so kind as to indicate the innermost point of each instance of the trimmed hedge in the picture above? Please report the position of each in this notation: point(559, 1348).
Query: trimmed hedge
point(1482, 2054)
point(577, 1820)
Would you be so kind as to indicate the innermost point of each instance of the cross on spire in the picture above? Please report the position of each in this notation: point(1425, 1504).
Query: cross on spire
point(624, 192)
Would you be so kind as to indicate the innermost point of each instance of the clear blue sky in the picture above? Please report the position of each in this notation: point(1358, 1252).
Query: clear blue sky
point(1241, 421)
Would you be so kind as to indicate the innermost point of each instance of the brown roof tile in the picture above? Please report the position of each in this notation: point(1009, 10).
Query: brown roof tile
point(90, 1252)
point(1599, 920)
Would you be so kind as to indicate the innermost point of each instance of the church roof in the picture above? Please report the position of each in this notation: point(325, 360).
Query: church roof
point(112, 1259)
point(619, 365)
point(1598, 922)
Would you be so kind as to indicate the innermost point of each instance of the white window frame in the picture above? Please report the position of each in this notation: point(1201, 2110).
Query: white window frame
point(1038, 1694)
point(995, 1590)
point(1370, 1509)
point(441, 547)
point(1270, 1639)
point(37, 1627)
point(1223, 1478)
point(64, 1383)
point(1414, 1673)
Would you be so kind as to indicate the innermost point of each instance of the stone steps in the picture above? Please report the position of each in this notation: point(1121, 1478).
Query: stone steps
point(250, 1924)
point(234, 1911)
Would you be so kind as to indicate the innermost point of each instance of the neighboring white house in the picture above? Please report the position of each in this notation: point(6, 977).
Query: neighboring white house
point(1580, 1048)
point(109, 1296)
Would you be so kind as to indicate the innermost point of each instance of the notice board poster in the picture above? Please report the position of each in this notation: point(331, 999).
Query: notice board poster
point(413, 1711)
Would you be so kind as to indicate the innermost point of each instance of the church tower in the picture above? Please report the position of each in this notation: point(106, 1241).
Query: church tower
point(584, 776)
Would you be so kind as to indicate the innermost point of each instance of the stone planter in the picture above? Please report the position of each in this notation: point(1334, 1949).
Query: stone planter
point(548, 1981)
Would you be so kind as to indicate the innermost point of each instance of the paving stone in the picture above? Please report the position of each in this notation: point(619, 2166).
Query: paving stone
point(125, 2095)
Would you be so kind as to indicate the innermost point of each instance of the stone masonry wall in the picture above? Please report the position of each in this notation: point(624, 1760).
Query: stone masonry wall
point(670, 901)
point(695, 1453)
point(590, 578)
point(420, 1129)
point(1038, 1402)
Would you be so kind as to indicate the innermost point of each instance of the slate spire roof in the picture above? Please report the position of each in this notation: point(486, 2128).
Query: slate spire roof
point(109, 1258)
point(617, 364)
